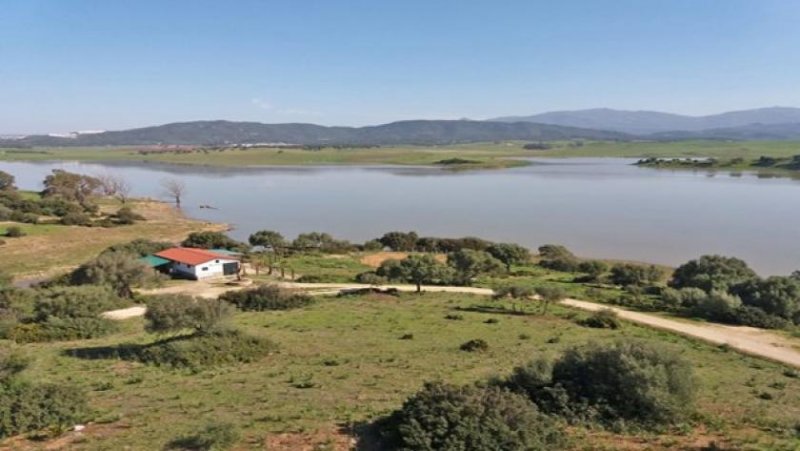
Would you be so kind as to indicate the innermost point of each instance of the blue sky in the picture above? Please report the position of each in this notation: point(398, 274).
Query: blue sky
point(81, 65)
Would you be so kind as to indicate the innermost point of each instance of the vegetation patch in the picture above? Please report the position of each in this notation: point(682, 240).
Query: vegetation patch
point(196, 352)
point(267, 297)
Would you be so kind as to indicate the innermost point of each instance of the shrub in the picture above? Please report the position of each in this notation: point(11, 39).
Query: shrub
point(371, 278)
point(119, 270)
point(747, 315)
point(629, 381)
point(779, 296)
point(75, 302)
point(602, 319)
point(76, 219)
point(139, 247)
point(476, 345)
point(173, 313)
point(454, 317)
point(60, 329)
point(449, 417)
point(218, 347)
point(593, 269)
point(267, 297)
point(26, 407)
point(27, 218)
point(372, 246)
point(14, 232)
point(213, 436)
point(127, 216)
point(212, 240)
point(639, 275)
point(718, 306)
point(513, 292)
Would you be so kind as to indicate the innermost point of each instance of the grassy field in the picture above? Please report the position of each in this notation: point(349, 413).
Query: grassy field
point(51, 249)
point(486, 155)
point(341, 362)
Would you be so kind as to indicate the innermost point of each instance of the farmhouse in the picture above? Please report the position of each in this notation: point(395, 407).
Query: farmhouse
point(196, 264)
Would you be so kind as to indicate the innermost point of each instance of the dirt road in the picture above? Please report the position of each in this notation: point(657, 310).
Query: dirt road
point(749, 340)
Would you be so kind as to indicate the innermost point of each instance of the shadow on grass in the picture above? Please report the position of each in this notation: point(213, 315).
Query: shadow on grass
point(366, 434)
point(495, 309)
point(125, 351)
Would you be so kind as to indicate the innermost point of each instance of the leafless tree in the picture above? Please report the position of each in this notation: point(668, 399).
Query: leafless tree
point(175, 189)
point(115, 185)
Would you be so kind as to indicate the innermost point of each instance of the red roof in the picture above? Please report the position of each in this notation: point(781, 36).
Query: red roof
point(190, 255)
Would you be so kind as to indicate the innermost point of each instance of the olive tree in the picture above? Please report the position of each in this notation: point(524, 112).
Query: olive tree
point(509, 254)
point(549, 295)
point(468, 264)
point(417, 269)
point(268, 239)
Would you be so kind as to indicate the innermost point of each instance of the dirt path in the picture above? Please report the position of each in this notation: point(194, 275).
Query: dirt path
point(749, 340)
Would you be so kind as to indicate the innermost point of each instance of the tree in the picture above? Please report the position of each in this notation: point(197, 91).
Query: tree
point(72, 187)
point(139, 247)
point(509, 254)
point(712, 272)
point(779, 296)
point(175, 189)
point(6, 181)
point(718, 306)
point(120, 271)
point(558, 258)
point(268, 239)
point(177, 312)
point(417, 269)
point(400, 241)
point(115, 185)
point(629, 274)
point(550, 295)
point(311, 241)
point(211, 240)
point(469, 264)
point(593, 269)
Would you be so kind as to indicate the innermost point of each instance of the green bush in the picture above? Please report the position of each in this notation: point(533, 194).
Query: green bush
point(602, 319)
point(212, 240)
point(139, 247)
point(220, 347)
point(371, 278)
point(448, 417)
point(213, 436)
point(267, 297)
point(558, 258)
point(627, 381)
point(14, 232)
point(119, 270)
point(629, 274)
point(28, 218)
point(476, 345)
point(75, 302)
point(26, 407)
point(176, 312)
point(77, 219)
point(127, 216)
point(60, 329)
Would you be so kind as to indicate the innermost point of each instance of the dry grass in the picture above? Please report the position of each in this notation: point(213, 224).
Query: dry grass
point(375, 260)
point(61, 248)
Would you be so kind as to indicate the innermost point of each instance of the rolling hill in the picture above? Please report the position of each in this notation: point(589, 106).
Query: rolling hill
point(427, 132)
point(649, 122)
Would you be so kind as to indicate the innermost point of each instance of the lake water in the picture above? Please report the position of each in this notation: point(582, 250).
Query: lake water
point(596, 207)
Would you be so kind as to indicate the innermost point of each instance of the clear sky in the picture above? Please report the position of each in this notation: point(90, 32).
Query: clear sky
point(82, 65)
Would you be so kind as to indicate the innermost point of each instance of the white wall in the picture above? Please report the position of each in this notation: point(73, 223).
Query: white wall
point(211, 268)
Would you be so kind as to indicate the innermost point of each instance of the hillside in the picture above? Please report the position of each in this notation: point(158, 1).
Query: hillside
point(404, 132)
point(771, 132)
point(647, 122)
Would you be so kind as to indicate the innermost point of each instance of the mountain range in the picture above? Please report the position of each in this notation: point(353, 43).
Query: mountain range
point(649, 122)
point(777, 123)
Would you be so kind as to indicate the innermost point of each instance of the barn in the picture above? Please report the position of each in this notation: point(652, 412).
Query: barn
point(192, 263)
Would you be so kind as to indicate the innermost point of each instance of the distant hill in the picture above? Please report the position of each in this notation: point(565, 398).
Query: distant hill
point(648, 122)
point(404, 132)
point(752, 132)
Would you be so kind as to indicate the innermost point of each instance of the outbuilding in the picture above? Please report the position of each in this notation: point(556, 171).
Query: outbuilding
point(199, 264)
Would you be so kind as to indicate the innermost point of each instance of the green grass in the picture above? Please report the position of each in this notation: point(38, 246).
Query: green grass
point(341, 361)
point(484, 155)
point(326, 268)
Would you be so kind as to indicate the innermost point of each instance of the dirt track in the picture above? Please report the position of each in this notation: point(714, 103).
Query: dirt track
point(749, 340)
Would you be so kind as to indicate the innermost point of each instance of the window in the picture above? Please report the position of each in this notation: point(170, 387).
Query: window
point(205, 268)
point(216, 261)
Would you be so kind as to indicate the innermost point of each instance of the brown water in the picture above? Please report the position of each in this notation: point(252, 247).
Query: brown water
point(596, 207)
